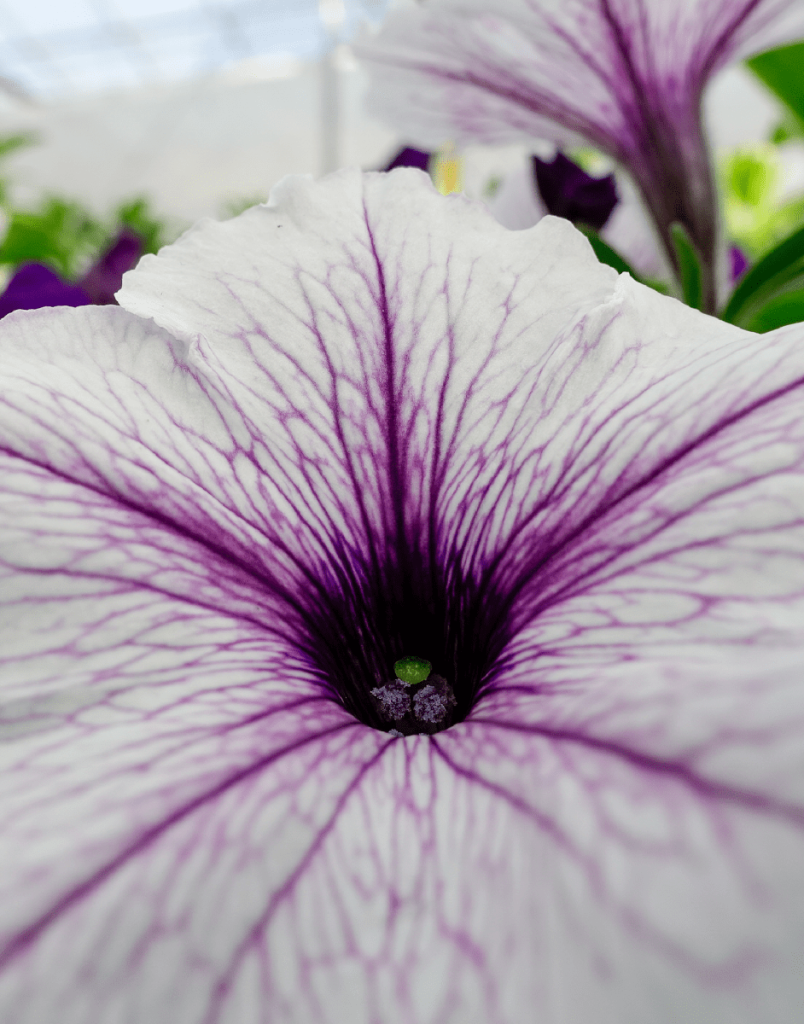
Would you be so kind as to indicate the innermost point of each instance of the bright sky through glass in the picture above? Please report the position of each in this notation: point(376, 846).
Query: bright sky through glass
point(51, 47)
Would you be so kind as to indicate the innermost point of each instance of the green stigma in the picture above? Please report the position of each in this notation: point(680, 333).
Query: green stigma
point(412, 670)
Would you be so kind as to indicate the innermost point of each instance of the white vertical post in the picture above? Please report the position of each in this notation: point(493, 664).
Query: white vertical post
point(332, 14)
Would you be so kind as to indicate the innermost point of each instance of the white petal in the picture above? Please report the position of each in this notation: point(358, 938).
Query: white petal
point(615, 833)
point(469, 70)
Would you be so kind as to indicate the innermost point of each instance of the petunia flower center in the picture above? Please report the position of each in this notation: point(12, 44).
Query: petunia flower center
point(412, 670)
point(455, 626)
point(410, 706)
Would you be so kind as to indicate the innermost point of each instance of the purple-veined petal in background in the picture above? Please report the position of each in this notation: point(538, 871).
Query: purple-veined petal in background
point(625, 75)
point(516, 203)
point(605, 488)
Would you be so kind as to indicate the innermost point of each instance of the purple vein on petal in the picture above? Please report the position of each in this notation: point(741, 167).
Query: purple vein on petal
point(225, 555)
point(701, 786)
point(455, 517)
point(200, 737)
point(224, 981)
point(604, 508)
point(23, 939)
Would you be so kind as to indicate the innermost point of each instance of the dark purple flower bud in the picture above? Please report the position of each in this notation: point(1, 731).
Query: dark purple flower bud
point(409, 157)
point(568, 191)
point(35, 285)
point(738, 263)
point(105, 277)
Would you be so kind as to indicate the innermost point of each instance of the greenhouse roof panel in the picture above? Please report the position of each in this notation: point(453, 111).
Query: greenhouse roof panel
point(54, 47)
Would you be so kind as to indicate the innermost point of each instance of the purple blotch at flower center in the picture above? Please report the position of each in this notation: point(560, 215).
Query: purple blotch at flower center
point(364, 634)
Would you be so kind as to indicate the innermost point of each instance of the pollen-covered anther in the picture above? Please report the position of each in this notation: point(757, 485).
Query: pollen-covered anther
point(432, 703)
point(393, 700)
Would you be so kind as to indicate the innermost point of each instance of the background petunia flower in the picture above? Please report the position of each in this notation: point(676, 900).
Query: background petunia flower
point(518, 201)
point(517, 204)
point(105, 276)
point(35, 285)
point(409, 157)
point(328, 435)
point(568, 191)
point(624, 75)
point(738, 264)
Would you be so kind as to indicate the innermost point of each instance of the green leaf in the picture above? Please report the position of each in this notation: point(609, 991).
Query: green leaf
point(11, 143)
point(781, 71)
point(788, 128)
point(606, 254)
point(787, 308)
point(749, 175)
point(137, 214)
point(612, 258)
point(689, 266)
point(777, 272)
point(61, 233)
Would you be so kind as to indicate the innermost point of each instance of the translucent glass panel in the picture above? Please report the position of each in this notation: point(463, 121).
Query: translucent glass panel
point(52, 47)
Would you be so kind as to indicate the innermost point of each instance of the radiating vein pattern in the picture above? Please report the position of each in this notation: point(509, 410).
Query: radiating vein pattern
point(324, 436)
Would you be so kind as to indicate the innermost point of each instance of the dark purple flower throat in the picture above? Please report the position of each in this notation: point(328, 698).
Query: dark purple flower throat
point(406, 646)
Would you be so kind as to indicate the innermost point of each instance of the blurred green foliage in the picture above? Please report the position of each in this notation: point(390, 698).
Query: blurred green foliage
point(60, 233)
point(756, 215)
point(771, 293)
point(782, 70)
point(234, 207)
point(760, 215)
point(155, 231)
point(64, 233)
point(689, 266)
point(788, 128)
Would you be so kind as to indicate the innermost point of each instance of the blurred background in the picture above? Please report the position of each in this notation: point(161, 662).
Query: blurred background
point(195, 103)
point(153, 113)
